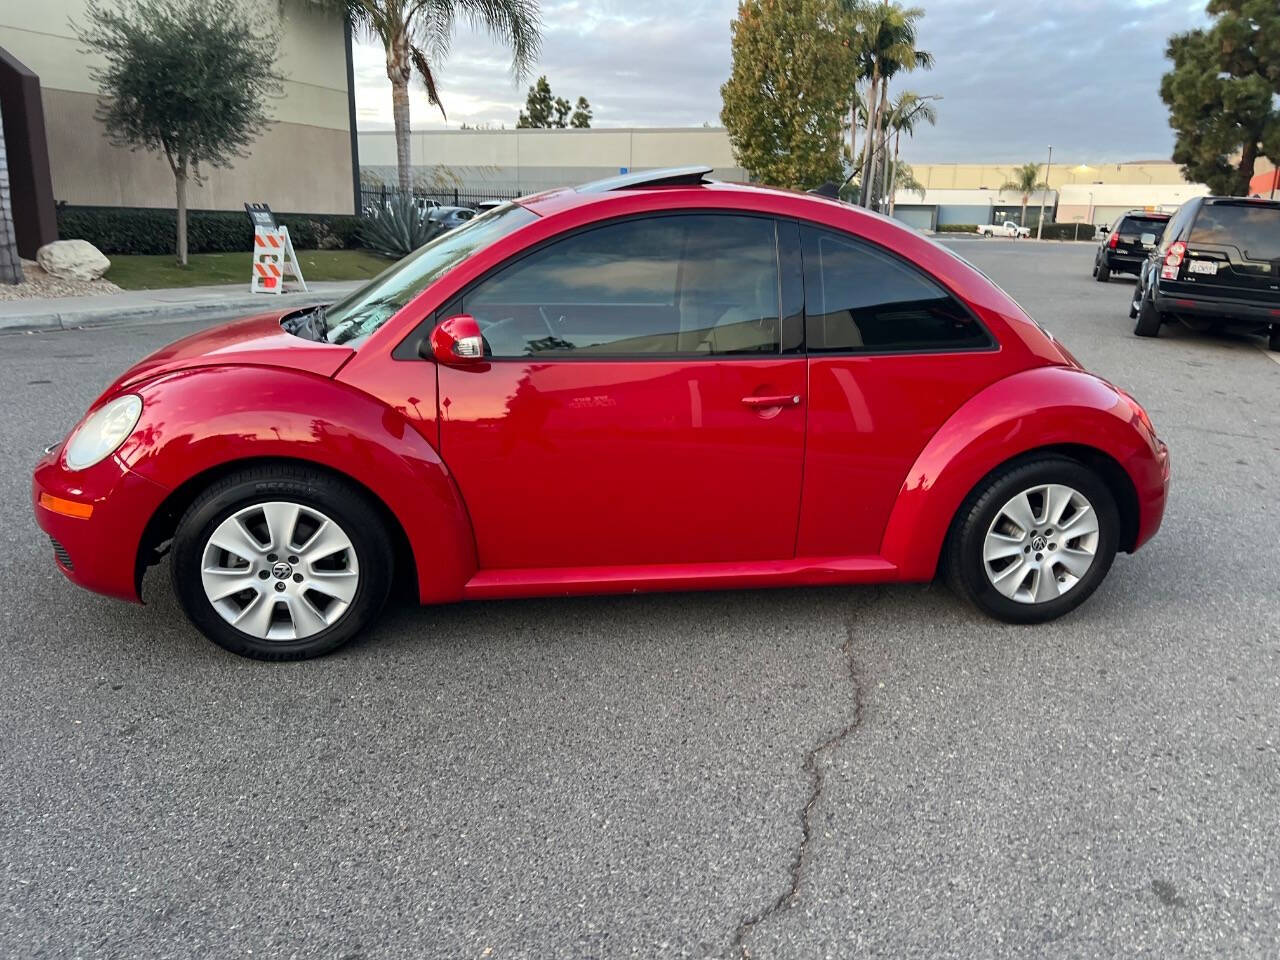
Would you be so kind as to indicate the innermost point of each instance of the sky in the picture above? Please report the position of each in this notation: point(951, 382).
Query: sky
point(1015, 76)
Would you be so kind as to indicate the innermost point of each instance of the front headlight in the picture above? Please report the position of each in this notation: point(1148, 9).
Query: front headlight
point(102, 432)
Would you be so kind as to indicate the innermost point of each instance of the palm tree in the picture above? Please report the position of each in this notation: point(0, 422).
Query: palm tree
point(1026, 180)
point(909, 110)
point(417, 33)
point(888, 45)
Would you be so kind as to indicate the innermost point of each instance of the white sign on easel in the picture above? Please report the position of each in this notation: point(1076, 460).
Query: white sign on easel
point(273, 258)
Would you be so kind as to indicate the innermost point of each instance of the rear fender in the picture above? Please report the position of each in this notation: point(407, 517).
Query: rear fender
point(1034, 409)
point(204, 418)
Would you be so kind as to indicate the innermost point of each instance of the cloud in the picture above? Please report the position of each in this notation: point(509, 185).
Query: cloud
point(1015, 75)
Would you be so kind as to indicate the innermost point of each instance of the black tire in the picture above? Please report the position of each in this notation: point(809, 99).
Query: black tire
point(1104, 271)
point(1149, 318)
point(1273, 341)
point(962, 559)
point(343, 502)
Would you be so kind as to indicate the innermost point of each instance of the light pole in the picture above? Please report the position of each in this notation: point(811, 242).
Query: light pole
point(1047, 168)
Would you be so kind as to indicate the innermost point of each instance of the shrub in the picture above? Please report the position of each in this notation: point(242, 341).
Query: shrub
point(957, 228)
point(397, 229)
point(1066, 231)
point(125, 230)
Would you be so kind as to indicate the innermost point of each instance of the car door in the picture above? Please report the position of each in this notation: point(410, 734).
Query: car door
point(892, 355)
point(637, 406)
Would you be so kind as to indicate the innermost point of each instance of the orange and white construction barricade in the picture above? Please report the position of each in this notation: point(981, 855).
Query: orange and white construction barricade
point(274, 261)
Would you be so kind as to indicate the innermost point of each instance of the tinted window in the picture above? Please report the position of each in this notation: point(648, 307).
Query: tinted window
point(701, 284)
point(858, 298)
point(1137, 226)
point(1177, 224)
point(1253, 229)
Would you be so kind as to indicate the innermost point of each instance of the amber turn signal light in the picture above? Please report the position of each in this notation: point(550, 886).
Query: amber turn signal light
point(68, 508)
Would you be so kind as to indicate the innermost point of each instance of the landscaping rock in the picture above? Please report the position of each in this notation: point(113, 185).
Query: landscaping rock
point(38, 285)
point(72, 260)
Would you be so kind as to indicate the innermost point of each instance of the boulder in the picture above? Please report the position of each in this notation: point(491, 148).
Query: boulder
point(72, 260)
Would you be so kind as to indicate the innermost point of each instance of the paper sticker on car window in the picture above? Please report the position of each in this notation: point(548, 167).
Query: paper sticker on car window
point(1148, 238)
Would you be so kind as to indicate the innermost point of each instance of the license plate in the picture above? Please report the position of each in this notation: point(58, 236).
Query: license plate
point(1202, 266)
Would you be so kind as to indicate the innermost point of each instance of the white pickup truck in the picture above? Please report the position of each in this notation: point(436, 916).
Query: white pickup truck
point(1006, 229)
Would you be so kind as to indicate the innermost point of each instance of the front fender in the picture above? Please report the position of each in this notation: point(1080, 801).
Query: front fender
point(204, 418)
point(1043, 407)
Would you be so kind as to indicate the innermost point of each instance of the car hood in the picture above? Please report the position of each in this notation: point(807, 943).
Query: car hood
point(255, 341)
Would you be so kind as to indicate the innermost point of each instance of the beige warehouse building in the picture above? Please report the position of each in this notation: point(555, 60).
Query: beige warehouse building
point(303, 163)
point(515, 161)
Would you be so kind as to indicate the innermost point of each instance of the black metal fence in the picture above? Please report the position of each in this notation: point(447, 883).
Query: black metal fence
point(378, 197)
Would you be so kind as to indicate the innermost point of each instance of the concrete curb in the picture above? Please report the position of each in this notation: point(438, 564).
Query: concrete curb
point(103, 314)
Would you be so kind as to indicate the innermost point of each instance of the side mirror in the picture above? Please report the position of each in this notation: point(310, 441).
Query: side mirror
point(457, 341)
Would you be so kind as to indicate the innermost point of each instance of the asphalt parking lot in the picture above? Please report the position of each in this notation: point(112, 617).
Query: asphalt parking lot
point(801, 773)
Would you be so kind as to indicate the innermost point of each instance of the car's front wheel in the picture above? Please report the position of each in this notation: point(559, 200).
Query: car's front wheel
point(281, 563)
point(1032, 542)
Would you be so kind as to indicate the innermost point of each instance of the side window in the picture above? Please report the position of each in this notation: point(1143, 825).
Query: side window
point(860, 299)
point(684, 285)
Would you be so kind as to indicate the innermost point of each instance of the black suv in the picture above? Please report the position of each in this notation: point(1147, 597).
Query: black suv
point(1218, 263)
point(1130, 241)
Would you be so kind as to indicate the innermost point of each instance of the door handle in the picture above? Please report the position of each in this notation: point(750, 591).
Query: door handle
point(785, 400)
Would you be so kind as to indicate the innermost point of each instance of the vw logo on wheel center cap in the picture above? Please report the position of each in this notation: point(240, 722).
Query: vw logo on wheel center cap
point(281, 571)
point(1037, 543)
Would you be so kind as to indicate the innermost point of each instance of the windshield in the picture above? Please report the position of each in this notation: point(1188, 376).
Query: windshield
point(364, 310)
point(1252, 228)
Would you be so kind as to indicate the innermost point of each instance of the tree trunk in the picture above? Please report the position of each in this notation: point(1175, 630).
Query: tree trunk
point(180, 180)
point(1248, 157)
point(893, 170)
point(853, 128)
point(865, 173)
point(877, 141)
point(399, 70)
point(1023, 222)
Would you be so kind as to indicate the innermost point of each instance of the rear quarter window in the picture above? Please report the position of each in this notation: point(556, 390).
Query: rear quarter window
point(1253, 229)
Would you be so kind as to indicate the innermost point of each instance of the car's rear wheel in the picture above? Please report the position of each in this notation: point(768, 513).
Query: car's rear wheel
point(1033, 541)
point(1149, 318)
point(281, 563)
point(1274, 340)
point(1104, 271)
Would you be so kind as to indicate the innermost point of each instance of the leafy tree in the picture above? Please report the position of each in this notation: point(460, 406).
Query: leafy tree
point(542, 110)
point(417, 33)
point(788, 91)
point(1221, 94)
point(1026, 181)
point(186, 78)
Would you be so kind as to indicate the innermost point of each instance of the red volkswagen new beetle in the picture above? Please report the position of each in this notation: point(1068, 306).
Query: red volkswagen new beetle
point(657, 382)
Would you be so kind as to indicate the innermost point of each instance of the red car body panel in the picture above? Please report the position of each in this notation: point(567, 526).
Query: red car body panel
point(1074, 408)
point(519, 478)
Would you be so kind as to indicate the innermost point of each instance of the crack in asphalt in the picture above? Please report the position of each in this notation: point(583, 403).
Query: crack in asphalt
point(817, 781)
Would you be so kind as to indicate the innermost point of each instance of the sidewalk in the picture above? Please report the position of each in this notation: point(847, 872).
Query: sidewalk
point(158, 306)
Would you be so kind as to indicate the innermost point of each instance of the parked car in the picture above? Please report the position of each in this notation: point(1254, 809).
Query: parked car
point(1217, 265)
point(1128, 244)
point(1006, 229)
point(450, 217)
point(652, 382)
point(484, 205)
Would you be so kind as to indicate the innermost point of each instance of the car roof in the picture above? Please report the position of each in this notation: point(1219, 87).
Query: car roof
point(1246, 201)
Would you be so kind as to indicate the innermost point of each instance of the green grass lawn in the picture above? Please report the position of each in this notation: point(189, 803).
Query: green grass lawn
point(157, 272)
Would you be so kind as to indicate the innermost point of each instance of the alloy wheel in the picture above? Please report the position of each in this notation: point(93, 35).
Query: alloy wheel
point(279, 571)
point(1041, 543)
